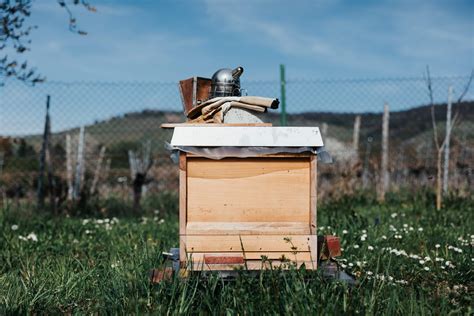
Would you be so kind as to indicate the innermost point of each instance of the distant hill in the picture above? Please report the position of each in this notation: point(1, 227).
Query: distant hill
point(405, 126)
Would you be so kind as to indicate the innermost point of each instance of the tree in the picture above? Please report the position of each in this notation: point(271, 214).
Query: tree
point(440, 144)
point(14, 37)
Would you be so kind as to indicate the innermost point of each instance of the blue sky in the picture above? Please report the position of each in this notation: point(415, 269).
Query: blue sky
point(153, 44)
point(172, 40)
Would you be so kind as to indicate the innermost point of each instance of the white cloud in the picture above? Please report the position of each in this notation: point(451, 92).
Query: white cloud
point(378, 38)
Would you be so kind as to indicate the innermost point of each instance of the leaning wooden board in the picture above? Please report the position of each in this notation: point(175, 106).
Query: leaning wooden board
point(259, 207)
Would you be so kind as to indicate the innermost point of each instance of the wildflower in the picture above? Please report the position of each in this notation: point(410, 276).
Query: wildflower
point(32, 236)
point(363, 237)
point(22, 238)
point(420, 229)
point(356, 246)
point(343, 265)
point(394, 215)
point(161, 221)
point(437, 246)
point(14, 227)
point(447, 263)
point(364, 231)
point(405, 225)
point(359, 264)
point(115, 265)
point(422, 262)
point(88, 232)
point(437, 259)
point(342, 249)
point(398, 236)
point(99, 221)
point(345, 232)
point(156, 212)
point(369, 273)
point(85, 221)
point(75, 241)
point(426, 269)
point(370, 248)
point(384, 237)
point(427, 258)
point(351, 264)
point(402, 282)
point(411, 228)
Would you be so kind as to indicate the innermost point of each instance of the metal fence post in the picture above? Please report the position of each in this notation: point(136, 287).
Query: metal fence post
point(283, 95)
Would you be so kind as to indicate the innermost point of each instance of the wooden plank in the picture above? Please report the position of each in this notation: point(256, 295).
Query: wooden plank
point(182, 251)
point(248, 190)
point(247, 228)
point(247, 136)
point(251, 265)
point(183, 192)
point(313, 195)
point(173, 125)
point(182, 201)
point(252, 243)
point(275, 255)
point(223, 259)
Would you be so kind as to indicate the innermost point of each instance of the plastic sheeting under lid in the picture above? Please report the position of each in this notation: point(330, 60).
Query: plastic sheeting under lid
point(246, 152)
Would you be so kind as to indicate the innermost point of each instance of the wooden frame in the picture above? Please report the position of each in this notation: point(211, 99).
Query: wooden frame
point(248, 207)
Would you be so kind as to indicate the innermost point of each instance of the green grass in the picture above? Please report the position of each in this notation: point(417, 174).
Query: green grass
point(98, 265)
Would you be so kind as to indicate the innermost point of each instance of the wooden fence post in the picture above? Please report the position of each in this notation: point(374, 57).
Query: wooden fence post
point(355, 135)
point(79, 165)
point(324, 130)
point(384, 175)
point(43, 154)
point(448, 137)
point(70, 189)
point(97, 170)
point(365, 171)
point(2, 191)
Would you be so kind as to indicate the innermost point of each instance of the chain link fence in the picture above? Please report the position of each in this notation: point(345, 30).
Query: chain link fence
point(121, 123)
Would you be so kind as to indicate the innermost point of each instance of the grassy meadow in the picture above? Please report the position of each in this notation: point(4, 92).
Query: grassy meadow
point(407, 257)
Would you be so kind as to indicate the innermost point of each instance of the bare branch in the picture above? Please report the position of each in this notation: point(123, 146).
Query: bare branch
point(72, 20)
point(14, 36)
point(466, 88)
point(455, 121)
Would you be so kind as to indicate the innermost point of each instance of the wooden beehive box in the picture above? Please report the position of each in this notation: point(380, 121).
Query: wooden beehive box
point(237, 210)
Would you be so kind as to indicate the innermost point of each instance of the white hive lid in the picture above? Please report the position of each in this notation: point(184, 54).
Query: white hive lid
point(246, 136)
